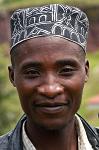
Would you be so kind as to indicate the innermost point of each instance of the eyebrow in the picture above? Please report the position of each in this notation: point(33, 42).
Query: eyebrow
point(38, 64)
point(30, 64)
point(67, 61)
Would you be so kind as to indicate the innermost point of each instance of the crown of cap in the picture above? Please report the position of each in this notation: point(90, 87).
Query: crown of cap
point(51, 20)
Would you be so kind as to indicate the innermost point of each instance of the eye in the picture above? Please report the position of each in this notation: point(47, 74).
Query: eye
point(67, 70)
point(31, 73)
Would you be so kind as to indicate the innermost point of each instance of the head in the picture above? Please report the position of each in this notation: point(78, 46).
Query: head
point(49, 70)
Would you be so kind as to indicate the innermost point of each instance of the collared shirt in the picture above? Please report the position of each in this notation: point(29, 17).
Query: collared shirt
point(27, 145)
point(83, 143)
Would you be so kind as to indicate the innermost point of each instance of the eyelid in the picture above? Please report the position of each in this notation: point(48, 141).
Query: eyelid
point(67, 69)
point(30, 68)
point(31, 72)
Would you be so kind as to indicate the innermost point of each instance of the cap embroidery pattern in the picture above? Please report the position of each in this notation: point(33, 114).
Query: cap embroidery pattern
point(55, 19)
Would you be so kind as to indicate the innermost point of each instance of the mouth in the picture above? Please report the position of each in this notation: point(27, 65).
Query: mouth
point(51, 107)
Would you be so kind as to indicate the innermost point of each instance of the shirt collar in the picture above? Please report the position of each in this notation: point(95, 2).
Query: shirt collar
point(27, 144)
point(83, 143)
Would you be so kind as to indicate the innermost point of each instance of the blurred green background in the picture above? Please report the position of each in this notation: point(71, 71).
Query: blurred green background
point(8, 4)
point(10, 109)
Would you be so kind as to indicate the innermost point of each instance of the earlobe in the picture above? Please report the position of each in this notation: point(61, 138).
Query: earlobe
point(11, 75)
point(87, 70)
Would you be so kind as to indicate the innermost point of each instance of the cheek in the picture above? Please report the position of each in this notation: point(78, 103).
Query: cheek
point(24, 86)
point(76, 84)
point(75, 90)
point(25, 97)
point(24, 91)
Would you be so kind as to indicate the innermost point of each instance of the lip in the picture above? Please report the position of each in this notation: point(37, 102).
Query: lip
point(51, 108)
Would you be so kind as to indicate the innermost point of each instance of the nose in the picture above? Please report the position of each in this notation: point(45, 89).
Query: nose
point(50, 90)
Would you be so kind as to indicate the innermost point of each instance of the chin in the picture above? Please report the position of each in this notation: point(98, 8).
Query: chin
point(51, 126)
point(51, 123)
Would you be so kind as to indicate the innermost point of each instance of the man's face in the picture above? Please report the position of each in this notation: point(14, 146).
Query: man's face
point(49, 75)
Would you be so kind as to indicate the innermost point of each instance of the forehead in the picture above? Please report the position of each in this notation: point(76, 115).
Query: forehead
point(43, 46)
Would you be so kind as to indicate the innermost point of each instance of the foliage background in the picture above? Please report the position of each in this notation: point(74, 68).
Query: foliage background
point(11, 4)
point(10, 109)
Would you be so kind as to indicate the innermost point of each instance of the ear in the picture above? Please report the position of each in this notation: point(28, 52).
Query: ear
point(87, 70)
point(11, 75)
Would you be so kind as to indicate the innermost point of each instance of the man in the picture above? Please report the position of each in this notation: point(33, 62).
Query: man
point(49, 69)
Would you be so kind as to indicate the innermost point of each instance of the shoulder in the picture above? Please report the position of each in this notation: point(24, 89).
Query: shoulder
point(13, 139)
point(97, 130)
point(4, 140)
point(92, 134)
point(90, 129)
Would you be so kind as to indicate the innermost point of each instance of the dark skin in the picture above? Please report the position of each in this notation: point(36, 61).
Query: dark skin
point(49, 74)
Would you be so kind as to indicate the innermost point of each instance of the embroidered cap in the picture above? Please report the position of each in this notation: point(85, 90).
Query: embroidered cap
point(51, 20)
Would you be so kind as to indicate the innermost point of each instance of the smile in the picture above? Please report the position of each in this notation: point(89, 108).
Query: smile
point(51, 108)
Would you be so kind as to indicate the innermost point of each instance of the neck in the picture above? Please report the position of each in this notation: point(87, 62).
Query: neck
point(63, 139)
